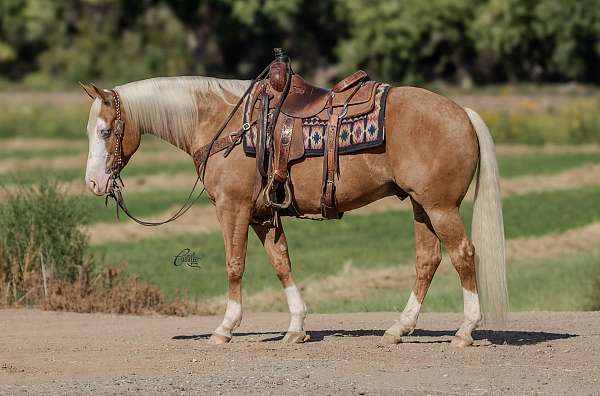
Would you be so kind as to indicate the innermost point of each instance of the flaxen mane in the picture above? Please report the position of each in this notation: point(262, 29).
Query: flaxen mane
point(168, 106)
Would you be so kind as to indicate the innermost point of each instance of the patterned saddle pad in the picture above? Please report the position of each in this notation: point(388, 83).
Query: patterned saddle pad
point(355, 134)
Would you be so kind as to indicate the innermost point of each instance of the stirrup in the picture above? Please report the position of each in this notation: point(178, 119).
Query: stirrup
point(270, 191)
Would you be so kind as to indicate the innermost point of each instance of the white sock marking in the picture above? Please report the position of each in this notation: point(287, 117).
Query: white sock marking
point(408, 319)
point(233, 317)
point(411, 311)
point(297, 308)
point(471, 304)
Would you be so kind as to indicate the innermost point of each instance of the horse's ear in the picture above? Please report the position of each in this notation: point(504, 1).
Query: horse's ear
point(88, 90)
point(95, 92)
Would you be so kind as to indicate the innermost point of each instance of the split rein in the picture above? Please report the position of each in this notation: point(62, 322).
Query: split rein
point(116, 182)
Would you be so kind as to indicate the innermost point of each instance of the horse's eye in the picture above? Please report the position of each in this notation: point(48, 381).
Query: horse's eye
point(105, 133)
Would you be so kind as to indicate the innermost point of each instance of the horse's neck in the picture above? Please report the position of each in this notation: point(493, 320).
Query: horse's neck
point(183, 143)
point(212, 112)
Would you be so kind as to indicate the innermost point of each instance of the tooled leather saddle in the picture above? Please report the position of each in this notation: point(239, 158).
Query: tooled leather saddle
point(280, 108)
point(286, 118)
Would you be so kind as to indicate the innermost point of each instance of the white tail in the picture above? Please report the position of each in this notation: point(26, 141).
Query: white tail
point(487, 230)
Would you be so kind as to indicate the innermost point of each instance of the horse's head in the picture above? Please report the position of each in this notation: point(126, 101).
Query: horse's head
point(110, 147)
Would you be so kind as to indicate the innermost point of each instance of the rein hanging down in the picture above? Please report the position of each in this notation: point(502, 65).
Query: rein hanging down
point(116, 182)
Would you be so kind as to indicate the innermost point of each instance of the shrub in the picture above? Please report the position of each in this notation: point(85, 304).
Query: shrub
point(576, 123)
point(45, 261)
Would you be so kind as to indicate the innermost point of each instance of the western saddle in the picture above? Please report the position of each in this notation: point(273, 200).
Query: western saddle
point(274, 112)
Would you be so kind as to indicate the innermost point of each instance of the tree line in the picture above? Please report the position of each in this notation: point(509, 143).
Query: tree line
point(43, 42)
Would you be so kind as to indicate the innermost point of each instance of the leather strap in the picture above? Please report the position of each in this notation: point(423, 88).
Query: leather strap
point(225, 143)
point(261, 136)
point(281, 169)
point(330, 167)
point(349, 81)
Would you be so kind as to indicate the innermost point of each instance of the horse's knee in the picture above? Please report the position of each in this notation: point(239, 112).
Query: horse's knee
point(235, 269)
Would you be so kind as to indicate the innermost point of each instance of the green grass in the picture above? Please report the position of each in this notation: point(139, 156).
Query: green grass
point(31, 176)
point(43, 121)
point(39, 153)
point(542, 164)
point(140, 204)
point(319, 249)
point(150, 144)
point(561, 284)
point(547, 212)
point(311, 247)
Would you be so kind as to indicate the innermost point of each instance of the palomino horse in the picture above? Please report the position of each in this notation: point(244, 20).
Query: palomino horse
point(432, 151)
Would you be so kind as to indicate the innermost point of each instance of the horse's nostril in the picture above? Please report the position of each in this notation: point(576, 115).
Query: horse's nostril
point(92, 185)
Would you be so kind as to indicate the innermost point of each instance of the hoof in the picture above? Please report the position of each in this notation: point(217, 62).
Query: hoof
point(459, 342)
point(296, 337)
point(390, 339)
point(218, 339)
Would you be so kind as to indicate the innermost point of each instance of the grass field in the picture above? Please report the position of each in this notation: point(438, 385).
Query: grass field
point(369, 255)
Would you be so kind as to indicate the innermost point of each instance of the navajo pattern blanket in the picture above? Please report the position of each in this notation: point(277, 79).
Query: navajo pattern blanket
point(355, 134)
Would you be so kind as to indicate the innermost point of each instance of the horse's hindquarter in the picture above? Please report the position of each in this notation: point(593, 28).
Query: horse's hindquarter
point(431, 146)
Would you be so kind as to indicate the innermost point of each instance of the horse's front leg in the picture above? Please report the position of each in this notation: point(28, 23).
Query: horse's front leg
point(273, 239)
point(234, 220)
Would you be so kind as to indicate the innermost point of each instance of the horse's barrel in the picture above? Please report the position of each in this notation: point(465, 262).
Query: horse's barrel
point(278, 70)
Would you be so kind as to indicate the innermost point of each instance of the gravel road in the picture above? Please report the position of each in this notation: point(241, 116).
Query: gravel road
point(65, 353)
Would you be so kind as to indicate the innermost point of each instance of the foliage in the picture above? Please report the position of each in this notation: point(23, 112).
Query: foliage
point(411, 39)
point(574, 123)
point(539, 39)
point(41, 228)
point(45, 261)
point(45, 42)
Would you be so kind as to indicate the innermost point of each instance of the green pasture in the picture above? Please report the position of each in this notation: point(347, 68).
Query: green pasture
point(140, 204)
point(377, 240)
point(543, 164)
point(30, 176)
point(322, 249)
point(160, 200)
point(559, 284)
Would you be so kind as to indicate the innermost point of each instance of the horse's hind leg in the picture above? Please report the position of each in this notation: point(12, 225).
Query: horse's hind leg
point(428, 259)
point(450, 229)
point(276, 247)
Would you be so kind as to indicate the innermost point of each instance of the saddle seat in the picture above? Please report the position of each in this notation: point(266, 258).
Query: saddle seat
point(306, 100)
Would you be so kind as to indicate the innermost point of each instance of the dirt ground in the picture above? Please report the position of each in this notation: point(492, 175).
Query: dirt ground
point(65, 353)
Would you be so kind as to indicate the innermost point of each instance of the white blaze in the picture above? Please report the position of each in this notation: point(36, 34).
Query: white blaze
point(96, 177)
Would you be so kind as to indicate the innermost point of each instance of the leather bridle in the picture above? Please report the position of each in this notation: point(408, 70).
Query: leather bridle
point(116, 182)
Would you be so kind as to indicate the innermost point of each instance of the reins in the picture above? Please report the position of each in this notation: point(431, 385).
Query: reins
point(116, 181)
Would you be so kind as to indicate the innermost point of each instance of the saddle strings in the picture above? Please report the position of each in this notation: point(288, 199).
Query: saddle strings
point(116, 190)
